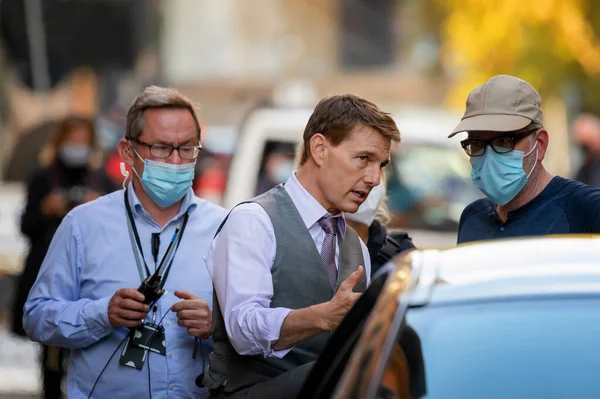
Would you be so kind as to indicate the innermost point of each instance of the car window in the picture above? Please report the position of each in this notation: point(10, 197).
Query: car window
point(429, 186)
point(512, 349)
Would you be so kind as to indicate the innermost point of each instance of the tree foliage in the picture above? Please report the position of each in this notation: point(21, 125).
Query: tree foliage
point(553, 44)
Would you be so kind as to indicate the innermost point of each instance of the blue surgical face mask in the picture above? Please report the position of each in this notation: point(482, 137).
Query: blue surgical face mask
point(283, 172)
point(500, 176)
point(165, 183)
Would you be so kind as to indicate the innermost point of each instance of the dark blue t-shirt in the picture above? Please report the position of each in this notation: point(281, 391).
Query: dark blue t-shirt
point(563, 207)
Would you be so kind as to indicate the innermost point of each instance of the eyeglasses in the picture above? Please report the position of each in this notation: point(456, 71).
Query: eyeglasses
point(500, 145)
point(165, 150)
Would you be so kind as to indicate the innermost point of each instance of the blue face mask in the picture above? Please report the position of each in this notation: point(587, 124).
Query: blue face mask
point(166, 183)
point(500, 176)
point(283, 172)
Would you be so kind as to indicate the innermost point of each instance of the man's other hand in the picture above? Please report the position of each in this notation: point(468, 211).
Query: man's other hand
point(194, 314)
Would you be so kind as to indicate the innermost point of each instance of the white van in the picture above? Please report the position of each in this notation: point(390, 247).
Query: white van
point(428, 179)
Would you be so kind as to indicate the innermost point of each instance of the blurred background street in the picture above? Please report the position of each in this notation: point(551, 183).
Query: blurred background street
point(256, 68)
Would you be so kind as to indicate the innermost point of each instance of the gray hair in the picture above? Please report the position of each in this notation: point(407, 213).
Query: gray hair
point(528, 128)
point(156, 97)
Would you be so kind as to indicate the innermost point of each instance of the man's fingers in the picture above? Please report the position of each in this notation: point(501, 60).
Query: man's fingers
point(353, 278)
point(189, 323)
point(131, 293)
point(194, 323)
point(131, 304)
point(184, 294)
point(194, 332)
point(189, 304)
point(183, 305)
point(187, 314)
point(200, 333)
point(193, 314)
point(355, 296)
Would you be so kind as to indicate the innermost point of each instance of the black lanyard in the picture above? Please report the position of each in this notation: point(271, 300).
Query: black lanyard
point(136, 238)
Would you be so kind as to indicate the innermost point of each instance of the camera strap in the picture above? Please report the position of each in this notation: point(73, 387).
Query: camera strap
point(136, 245)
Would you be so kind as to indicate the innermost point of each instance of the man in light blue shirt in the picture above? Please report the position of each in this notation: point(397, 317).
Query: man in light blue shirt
point(86, 296)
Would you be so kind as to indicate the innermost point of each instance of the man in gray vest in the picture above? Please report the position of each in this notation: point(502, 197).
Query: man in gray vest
point(285, 266)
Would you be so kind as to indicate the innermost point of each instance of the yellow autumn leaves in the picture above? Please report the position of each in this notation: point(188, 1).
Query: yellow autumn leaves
point(536, 40)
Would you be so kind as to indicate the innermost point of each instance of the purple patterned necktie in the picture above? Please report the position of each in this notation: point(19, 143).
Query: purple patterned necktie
point(329, 224)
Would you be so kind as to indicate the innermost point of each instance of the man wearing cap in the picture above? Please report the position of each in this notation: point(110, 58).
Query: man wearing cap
point(507, 143)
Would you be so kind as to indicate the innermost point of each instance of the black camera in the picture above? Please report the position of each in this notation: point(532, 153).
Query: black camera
point(151, 289)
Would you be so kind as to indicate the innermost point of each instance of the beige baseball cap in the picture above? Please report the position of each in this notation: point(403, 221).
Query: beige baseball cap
point(502, 104)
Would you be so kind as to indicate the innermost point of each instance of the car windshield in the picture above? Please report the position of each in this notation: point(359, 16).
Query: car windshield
point(511, 349)
point(430, 186)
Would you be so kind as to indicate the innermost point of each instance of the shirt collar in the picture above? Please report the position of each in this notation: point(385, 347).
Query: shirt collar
point(309, 208)
point(541, 197)
point(188, 205)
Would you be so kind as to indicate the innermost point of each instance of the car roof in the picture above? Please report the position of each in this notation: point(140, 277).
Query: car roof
point(511, 268)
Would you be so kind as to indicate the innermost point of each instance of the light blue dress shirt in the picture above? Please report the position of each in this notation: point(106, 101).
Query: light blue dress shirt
point(90, 258)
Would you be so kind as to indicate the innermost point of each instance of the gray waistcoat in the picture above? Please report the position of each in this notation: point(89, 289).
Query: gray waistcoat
point(299, 281)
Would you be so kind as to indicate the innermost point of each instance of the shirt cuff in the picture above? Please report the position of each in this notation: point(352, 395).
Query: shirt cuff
point(278, 320)
point(95, 314)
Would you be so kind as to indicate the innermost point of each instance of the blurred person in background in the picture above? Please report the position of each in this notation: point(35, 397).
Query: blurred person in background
point(506, 144)
point(70, 176)
point(212, 170)
point(86, 295)
point(586, 133)
point(277, 166)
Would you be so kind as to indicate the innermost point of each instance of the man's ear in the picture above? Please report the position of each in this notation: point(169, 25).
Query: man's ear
point(543, 140)
point(126, 152)
point(318, 147)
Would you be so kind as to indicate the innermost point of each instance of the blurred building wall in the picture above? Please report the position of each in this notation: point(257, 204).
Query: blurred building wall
point(248, 39)
point(229, 53)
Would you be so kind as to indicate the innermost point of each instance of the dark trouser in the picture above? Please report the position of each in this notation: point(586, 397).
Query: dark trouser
point(53, 370)
point(286, 385)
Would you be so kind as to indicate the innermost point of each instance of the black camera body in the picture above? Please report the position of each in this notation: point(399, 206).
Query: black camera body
point(151, 289)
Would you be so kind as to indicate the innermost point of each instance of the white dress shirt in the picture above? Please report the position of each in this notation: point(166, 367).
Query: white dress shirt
point(240, 260)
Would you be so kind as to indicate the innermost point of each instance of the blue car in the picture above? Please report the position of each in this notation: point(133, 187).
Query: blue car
point(504, 319)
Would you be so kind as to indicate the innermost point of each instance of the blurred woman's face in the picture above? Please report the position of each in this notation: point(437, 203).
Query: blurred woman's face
point(76, 150)
point(79, 135)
